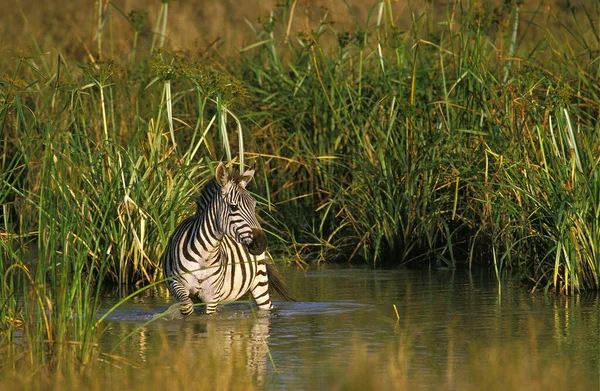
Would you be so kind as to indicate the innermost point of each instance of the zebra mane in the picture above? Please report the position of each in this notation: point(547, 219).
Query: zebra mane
point(209, 191)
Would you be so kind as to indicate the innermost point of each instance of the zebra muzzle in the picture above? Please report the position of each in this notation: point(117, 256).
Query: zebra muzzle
point(259, 242)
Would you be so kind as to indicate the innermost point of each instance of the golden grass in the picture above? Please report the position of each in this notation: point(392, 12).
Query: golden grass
point(211, 368)
point(70, 27)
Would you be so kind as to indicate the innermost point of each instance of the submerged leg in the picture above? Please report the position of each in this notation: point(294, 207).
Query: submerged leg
point(186, 306)
point(211, 308)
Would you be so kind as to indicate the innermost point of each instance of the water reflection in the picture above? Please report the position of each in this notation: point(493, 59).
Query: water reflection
point(448, 321)
point(239, 333)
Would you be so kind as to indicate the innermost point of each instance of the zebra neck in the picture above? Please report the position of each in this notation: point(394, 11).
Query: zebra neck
point(208, 234)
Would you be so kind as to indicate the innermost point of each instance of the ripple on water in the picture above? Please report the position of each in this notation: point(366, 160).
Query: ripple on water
point(236, 310)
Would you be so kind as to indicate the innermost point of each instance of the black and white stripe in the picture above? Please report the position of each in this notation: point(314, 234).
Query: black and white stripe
point(218, 254)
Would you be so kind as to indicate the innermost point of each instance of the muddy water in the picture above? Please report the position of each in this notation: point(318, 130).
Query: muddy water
point(449, 320)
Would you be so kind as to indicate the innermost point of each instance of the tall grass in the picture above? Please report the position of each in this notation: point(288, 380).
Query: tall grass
point(443, 145)
point(100, 162)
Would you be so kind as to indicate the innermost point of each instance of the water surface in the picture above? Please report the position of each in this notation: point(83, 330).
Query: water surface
point(448, 321)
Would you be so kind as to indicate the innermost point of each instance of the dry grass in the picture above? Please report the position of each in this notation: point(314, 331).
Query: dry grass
point(222, 26)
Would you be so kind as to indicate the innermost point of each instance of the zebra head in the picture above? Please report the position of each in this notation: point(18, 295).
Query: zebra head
point(237, 217)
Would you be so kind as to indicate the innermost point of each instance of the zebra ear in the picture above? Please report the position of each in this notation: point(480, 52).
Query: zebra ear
point(221, 174)
point(247, 176)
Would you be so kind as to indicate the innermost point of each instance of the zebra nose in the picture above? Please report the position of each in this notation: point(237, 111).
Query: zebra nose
point(259, 242)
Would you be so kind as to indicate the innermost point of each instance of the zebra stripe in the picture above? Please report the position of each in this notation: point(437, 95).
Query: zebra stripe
point(218, 255)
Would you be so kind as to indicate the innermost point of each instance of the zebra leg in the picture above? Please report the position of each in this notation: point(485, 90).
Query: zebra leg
point(212, 302)
point(186, 305)
point(260, 289)
point(211, 308)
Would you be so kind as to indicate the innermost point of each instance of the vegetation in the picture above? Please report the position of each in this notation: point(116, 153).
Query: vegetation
point(436, 145)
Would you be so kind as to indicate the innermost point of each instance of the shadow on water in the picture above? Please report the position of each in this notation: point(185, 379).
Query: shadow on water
point(448, 319)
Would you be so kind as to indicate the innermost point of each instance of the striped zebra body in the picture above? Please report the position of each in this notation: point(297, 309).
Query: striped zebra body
point(218, 255)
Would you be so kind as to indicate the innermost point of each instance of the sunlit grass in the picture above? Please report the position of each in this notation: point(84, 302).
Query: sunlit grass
point(442, 149)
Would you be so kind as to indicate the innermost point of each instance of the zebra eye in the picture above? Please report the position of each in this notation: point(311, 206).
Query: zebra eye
point(233, 207)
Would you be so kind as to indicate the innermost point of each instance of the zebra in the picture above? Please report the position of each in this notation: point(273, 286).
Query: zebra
point(218, 254)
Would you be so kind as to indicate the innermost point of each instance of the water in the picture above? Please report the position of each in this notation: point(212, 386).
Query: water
point(451, 323)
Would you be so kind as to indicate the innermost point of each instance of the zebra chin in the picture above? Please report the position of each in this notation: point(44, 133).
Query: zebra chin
point(258, 243)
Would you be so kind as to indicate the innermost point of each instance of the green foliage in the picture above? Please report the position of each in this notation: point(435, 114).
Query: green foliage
point(92, 186)
point(432, 145)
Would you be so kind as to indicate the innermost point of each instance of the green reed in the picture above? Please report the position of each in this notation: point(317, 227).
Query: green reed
point(443, 145)
point(101, 161)
point(349, 139)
